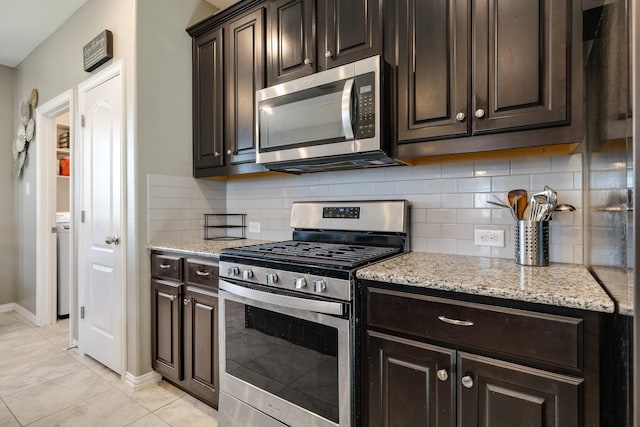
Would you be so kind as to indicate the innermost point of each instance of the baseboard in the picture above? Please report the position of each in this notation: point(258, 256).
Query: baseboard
point(143, 381)
point(20, 310)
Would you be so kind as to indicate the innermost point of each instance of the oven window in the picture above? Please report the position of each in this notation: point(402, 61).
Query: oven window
point(294, 359)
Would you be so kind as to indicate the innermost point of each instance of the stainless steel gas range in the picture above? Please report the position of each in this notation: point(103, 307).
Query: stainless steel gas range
point(288, 315)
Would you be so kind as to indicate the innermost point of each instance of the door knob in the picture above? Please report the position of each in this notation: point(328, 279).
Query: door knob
point(461, 116)
point(479, 113)
point(467, 381)
point(442, 374)
point(328, 54)
point(112, 240)
point(307, 61)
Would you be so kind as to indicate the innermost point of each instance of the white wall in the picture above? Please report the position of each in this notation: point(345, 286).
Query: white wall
point(163, 80)
point(52, 68)
point(8, 248)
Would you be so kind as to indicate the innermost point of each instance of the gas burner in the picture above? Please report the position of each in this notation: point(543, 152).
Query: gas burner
point(326, 254)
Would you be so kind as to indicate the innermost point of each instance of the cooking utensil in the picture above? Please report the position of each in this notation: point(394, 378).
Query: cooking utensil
point(518, 202)
point(502, 204)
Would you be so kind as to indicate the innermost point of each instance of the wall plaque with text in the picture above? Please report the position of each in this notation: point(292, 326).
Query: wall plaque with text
point(98, 51)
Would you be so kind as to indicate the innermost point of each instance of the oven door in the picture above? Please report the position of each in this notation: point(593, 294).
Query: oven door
point(285, 356)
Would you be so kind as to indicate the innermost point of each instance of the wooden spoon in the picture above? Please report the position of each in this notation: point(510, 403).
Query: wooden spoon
point(518, 202)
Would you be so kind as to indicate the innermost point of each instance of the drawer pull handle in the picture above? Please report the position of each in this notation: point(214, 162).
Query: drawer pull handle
point(165, 266)
point(467, 381)
point(443, 375)
point(202, 273)
point(455, 321)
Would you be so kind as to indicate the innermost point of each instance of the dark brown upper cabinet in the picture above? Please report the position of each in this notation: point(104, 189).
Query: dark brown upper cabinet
point(348, 31)
point(306, 36)
point(208, 100)
point(245, 62)
point(229, 52)
point(433, 82)
point(291, 39)
point(479, 69)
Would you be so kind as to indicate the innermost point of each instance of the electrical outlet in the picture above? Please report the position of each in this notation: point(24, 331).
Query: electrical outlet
point(254, 227)
point(489, 238)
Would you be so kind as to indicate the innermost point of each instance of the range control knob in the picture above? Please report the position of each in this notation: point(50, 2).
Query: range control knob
point(272, 278)
point(247, 274)
point(319, 285)
point(233, 271)
point(299, 282)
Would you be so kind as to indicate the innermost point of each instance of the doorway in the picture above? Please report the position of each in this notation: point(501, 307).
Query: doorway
point(54, 200)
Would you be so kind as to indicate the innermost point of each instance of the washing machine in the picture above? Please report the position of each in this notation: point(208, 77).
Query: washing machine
point(64, 252)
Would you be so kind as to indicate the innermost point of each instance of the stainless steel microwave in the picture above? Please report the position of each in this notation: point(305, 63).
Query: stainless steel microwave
point(331, 120)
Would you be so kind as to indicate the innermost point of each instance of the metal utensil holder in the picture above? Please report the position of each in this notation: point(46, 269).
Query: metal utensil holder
point(532, 243)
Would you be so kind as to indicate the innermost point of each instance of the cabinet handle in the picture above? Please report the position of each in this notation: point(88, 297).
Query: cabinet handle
point(467, 381)
point(328, 54)
point(461, 116)
point(479, 113)
point(186, 301)
point(202, 273)
point(442, 375)
point(307, 61)
point(165, 266)
point(455, 321)
point(216, 154)
point(229, 151)
point(172, 298)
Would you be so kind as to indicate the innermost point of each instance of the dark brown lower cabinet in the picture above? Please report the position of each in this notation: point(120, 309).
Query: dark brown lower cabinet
point(404, 389)
point(201, 343)
point(166, 327)
point(494, 393)
point(429, 360)
point(184, 324)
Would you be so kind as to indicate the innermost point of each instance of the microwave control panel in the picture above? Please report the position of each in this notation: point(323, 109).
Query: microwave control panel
point(366, 92)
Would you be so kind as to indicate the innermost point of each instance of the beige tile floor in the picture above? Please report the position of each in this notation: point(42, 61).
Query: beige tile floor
point(43, 384)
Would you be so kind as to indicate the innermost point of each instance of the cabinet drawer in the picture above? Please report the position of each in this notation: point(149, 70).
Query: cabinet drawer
point(551, 339)
point(166, 267)
point(202, 272)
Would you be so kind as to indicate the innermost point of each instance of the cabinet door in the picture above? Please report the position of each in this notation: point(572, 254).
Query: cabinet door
point(521, 69)
point(201, 344)
point(348, 31)
point(409, 383)
point(433, 84)
point(292, 45)
point(166, 329)
point(208, 100)
point(245, 74)
point(493, 393)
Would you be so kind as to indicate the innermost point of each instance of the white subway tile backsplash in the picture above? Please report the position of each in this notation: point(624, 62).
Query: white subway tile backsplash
point(531, 165)
point(473, 185)
point(492, 168)
point(457, 170)
point(448, 201)
point(457, 200)
point(557, 181)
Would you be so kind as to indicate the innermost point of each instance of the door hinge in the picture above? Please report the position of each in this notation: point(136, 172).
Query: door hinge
point(82, 312)
point(82, 120)
point(82, 216)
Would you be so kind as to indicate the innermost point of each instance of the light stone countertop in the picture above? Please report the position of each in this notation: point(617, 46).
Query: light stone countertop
point(207, 248)
point(564, 285)
point(619, 283)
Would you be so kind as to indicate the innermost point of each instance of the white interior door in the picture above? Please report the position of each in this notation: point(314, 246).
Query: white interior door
point(101, 279)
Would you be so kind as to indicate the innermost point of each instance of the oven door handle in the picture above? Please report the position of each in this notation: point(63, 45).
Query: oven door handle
point(304, 304)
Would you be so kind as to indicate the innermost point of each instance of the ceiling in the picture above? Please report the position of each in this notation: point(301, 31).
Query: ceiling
point(24, 24)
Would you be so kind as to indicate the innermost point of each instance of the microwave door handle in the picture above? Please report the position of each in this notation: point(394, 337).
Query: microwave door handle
point(347, 120)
